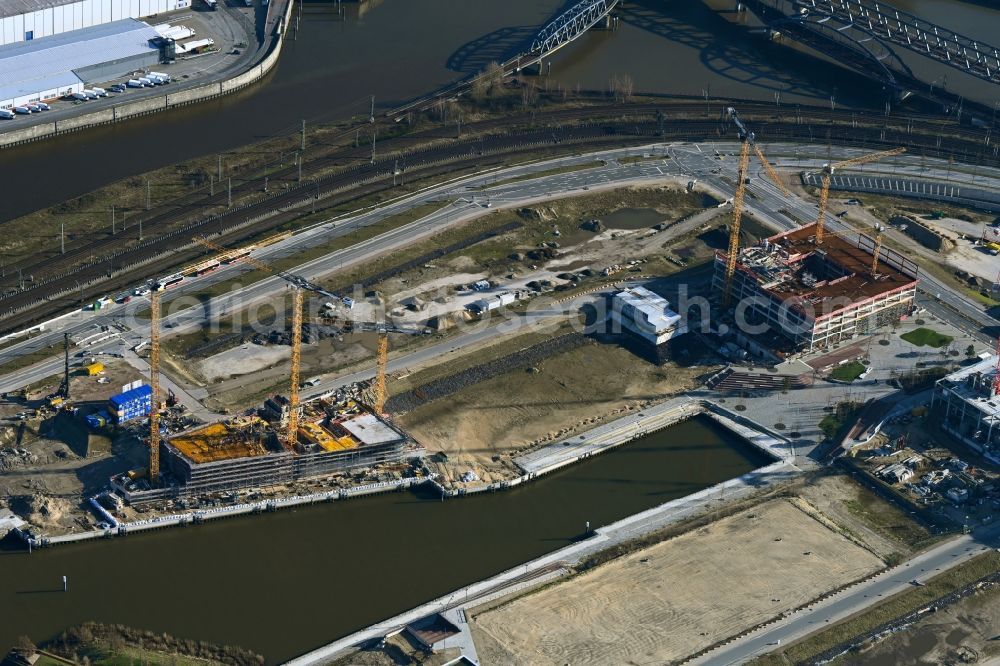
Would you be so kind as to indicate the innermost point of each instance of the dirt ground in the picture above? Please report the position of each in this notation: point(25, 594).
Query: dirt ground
point(241, 376)
point(566, 393)
point(668, 601)
point(438, 289)
point(839, 499)
point(965, 632)
point(63, 460)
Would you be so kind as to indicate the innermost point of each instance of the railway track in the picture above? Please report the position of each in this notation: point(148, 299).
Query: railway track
point(331, 155)
point(110, 263)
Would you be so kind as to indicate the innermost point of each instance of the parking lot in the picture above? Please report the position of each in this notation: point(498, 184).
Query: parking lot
point(231, 29)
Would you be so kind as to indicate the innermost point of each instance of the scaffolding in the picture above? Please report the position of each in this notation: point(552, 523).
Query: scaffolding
point(816, 296)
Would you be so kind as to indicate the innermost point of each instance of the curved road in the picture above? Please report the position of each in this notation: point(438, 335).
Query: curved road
point(468, 197)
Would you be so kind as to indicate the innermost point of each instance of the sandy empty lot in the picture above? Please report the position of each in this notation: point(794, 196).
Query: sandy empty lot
point(243, 360)
point(666, 602)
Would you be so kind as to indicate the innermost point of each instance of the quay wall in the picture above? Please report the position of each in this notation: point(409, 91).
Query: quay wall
point(151, 105)
point(537, 463)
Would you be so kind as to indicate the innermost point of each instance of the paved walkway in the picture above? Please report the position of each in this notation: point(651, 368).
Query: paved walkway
point(553, 565)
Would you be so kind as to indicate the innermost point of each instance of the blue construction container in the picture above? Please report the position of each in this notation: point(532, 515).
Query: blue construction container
point(131, 404)
point(98, 420)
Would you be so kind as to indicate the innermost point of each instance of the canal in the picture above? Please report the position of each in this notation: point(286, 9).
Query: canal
point(397, 50)
point(284, 583)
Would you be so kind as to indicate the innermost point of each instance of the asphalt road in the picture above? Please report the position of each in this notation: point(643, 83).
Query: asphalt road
point(474, 195)
point(769, 201)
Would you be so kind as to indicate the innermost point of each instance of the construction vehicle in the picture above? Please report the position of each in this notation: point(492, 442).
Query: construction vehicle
point(828, 170)
point(748, 141)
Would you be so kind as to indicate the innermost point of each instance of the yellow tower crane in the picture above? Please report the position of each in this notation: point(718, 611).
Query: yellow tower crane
point(292, 434)
point(734, 226)
point(381, 363)
point(828, 169)
point(771, 173)
point(747, 142)
point(377, 392)
point(154, 385)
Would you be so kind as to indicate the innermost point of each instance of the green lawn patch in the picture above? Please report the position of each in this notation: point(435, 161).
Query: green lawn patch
point(985, 299)
point(926, 337)
point(46, 660)
point(848, 372)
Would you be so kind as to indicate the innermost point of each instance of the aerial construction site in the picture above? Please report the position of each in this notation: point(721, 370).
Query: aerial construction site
point(651, 347)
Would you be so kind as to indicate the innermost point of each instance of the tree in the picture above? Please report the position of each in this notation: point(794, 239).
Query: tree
point(622, 88)
point(970, 351)
point(529, 93)
point(24, 645)
point(487, 84)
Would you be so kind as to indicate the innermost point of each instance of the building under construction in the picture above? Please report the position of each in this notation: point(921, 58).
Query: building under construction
point(811, 296)
point(968, 405)
point(249, 452)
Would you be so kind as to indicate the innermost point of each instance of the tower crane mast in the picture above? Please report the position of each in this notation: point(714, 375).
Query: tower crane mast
point(381, 363)
point(828, 169)
point(154, 385)
point(746, 140)
point(292, 434)
point(879, 236)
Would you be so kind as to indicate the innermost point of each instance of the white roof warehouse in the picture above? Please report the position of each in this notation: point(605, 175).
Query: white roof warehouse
point(54, 66)
point(25, 20)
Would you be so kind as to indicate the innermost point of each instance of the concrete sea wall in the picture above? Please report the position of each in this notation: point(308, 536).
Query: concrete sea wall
point(147, 106)
point(537, 463)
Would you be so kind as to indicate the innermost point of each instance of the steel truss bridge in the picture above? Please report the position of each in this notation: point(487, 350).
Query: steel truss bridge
point(565, 28)
point(865, 35)
point(569, 25)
